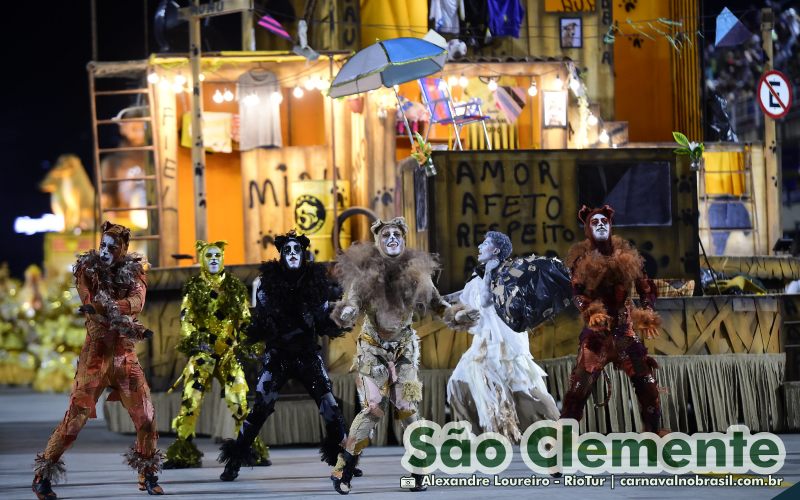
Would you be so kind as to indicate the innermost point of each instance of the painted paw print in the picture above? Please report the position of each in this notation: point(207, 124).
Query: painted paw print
point(684, 184)
point(265, 239)
point(628, 5)
point(687, 217)
point(651, 264)
point(383, 196)
point(637, 41)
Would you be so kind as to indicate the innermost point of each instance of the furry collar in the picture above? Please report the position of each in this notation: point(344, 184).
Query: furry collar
point(118, 279)
point(594, 269)
point(309, 286)
point(387, 284)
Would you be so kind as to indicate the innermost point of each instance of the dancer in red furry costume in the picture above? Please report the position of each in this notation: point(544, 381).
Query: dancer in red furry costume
point(603, 269)
point(112, 285)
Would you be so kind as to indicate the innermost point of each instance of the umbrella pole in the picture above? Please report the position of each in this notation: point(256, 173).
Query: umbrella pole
point(405, 120)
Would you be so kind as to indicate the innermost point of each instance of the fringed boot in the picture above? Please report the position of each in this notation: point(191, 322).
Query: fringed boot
point(343, 472)
point(234, 456)
point(148, 468)
point(183, 454)
point(47, 473)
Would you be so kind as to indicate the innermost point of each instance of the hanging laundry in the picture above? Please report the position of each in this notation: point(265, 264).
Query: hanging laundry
point(511, 101)
point(217, 133)
point(259, 110)
point(505, 17)
point(446, 15)
point(476, 21)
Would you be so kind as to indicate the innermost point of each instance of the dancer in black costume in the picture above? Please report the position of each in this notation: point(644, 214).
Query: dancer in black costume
point(292, 310)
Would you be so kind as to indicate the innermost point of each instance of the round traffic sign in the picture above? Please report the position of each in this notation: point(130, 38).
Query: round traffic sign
point(774, 94)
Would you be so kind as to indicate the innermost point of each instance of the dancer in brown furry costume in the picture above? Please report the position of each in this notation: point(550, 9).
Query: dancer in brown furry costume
point(112, 286)
point(388, 284)
point(603, 269)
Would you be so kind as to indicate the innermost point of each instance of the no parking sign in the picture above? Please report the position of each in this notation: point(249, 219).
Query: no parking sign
point(775, 94)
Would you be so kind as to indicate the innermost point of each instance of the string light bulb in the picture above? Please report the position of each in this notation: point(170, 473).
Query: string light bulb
point(251, 100)
point(218, 98)
point(574, 84)
point(492, 84)
point(604, 138)
point(276, 97)
point(202, 77)
point(310, 84)
point(452, 80)
point(298, 92)
point(152, 78)
point(177, 87)
point(532, 90)
point(463, 81)
point(227, 95)
point(180, 79)
point(323, 84)
point(592, 120)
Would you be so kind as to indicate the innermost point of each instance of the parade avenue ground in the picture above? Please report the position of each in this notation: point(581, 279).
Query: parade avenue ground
point(95, 470)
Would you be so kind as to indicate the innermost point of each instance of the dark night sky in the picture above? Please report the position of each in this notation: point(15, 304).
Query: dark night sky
point(45, 99)
point(45, 96)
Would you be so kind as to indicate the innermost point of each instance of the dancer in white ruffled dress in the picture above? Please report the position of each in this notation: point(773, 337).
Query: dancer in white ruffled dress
point(496, 385)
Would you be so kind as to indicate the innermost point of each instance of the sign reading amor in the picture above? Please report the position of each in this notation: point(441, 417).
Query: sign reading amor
point(534, 196)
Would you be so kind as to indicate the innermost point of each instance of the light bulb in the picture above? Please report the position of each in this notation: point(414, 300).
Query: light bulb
point(251, 99)
point(310, 84)
point(452, 80)
point(180, 79)
point(532, 90)
point(152, 77)
point(463, 81)
point(202, 77)
point(177, 87)
point(227, 95)
point(575, 85)
point(217, 98)
point(298, 92)
point(276, 97)
point(323, 84)
point(492, 85)
point(604, 137)
point(396, 88)
point(592, 120)
point(442, 86)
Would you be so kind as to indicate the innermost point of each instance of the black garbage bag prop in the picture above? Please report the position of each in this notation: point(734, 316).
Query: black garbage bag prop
point(530, 290)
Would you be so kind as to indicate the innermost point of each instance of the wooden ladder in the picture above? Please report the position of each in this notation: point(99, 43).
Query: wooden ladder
point(150, 178)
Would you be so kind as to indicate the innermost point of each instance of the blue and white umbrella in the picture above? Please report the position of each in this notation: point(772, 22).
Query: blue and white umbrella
point(388, 63)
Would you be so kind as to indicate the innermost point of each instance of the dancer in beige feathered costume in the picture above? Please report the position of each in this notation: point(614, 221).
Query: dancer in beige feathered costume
point(388, 284)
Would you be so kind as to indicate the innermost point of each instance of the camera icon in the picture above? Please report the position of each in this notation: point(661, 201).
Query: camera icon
point(407, 482)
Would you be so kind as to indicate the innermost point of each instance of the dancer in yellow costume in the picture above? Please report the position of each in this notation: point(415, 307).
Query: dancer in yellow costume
point(214, 312)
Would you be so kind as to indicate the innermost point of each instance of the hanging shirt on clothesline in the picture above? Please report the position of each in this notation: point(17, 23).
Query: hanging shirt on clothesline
point(446, 14)
point(259, 116)
point(505, 17)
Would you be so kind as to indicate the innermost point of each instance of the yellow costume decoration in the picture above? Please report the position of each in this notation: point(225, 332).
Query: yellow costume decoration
point(214, 312)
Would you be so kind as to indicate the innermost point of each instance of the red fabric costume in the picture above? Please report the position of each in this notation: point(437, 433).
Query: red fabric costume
point(113, 295)
point(602, 275)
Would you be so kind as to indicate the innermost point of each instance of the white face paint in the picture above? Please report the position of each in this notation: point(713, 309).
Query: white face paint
point(392, 241)
point(487, 251)
point(214, 259)
point(292, 254)
point(601, 227)
point(108, 249)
